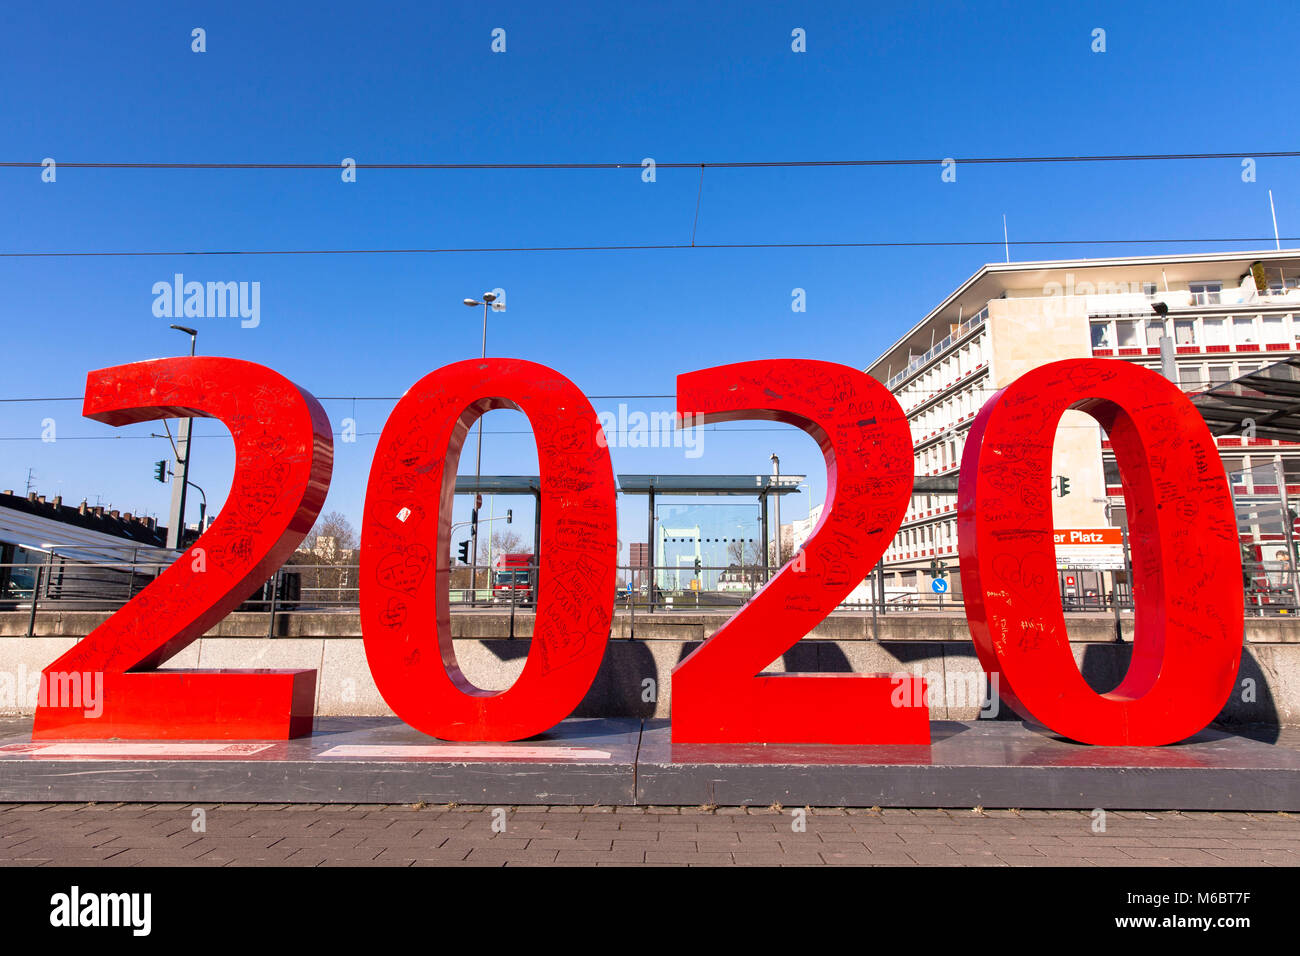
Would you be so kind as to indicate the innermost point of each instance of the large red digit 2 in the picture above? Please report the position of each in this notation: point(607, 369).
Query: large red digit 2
point(405, 552)
point(718, 694)
point(283, 455)
point(1183, 535)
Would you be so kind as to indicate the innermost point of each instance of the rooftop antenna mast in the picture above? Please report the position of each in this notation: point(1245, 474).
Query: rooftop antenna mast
point(1273, 210)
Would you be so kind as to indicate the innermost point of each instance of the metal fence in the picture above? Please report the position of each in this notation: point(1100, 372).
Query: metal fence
point(60, 582)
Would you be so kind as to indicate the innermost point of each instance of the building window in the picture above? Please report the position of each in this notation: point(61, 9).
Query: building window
point(1127, 333)
point(1291, 470)
point(1215, 331)
point(1189, 377)
point(1155, 331)
point(1185, 332)
point(1111, 471)
point(1243, 330)
point(1274, 330)
point(1220, 375)
point(1101, 335)
point(1119, 517)
point(1149, 289)
point(1205, 293)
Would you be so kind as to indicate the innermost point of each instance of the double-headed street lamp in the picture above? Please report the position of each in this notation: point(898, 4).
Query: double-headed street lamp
point(488, 301)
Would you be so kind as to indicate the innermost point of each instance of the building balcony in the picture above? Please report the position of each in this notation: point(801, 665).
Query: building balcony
point(917, 363)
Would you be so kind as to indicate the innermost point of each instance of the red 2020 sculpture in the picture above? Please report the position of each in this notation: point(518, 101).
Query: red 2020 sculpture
point(1183, 535)
point(284, 452)
point(1186, 562)
point(405, 552)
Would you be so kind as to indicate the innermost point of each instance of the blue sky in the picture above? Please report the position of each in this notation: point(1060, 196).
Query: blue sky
point(384, 82)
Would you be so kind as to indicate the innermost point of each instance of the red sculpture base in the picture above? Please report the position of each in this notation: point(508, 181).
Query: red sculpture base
point(840, 709)
point(188, 705)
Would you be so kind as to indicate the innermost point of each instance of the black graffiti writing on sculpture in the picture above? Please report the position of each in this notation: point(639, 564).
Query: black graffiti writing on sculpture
point(1026, 575)
point(393, 615)
point(403, 570)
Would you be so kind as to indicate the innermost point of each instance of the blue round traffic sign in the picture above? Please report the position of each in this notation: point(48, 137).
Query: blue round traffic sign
point(939, 586)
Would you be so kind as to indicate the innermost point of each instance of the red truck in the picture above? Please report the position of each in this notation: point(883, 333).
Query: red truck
point(512, 579)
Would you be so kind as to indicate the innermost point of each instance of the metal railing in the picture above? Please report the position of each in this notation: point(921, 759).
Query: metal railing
point(939, 348)
point(58, 583)
point(1271, 587)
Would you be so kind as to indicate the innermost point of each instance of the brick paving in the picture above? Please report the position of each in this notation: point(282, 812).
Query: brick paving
point(138, 834)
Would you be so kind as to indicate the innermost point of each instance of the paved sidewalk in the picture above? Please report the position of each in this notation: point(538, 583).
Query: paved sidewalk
point(331, 835)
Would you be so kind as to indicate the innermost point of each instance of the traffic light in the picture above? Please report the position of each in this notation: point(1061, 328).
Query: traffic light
point(698, 567)
point(464, 552)
point(160, 471)
point(1062, 486)
point(938, 569)
point(510, 513)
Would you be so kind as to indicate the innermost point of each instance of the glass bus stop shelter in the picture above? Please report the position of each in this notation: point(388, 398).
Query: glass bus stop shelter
point(760, 487)
point(1264, 404)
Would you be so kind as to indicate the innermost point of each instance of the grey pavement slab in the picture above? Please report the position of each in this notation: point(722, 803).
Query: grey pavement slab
point(986, 763)
point(346, 760)
point(625, 762)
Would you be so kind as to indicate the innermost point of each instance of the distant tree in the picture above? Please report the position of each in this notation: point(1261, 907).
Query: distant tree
point(502, 542)
point(787, 548)
point(328, 565)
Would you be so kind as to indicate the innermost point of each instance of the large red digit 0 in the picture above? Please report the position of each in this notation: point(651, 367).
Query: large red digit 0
point(1183, 536)
point(405, 552)
point(283, 455)
point(719, 694)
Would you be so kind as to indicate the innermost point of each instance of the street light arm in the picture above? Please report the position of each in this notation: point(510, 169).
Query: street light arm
point(461, 524)
point(175, 453)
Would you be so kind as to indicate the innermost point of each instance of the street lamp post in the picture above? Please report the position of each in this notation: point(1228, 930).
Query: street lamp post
point(488, 302)
point(176, 523)
point(776, 475)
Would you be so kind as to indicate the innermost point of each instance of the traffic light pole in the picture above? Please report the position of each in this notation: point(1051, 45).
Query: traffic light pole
point(938, 569)
point(472, 558)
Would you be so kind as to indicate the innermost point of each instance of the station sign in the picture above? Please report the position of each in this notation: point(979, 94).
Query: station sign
point(1089, 549)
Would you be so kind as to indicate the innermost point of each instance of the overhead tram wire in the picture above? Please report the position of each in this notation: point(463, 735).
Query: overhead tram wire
point(395, 398)
point(760, 164)
point(643, 247)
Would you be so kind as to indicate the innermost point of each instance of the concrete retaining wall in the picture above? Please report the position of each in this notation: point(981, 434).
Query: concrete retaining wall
point(634, 679)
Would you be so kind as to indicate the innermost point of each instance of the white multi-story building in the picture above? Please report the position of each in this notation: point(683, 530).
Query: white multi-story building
point(1228, 314)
